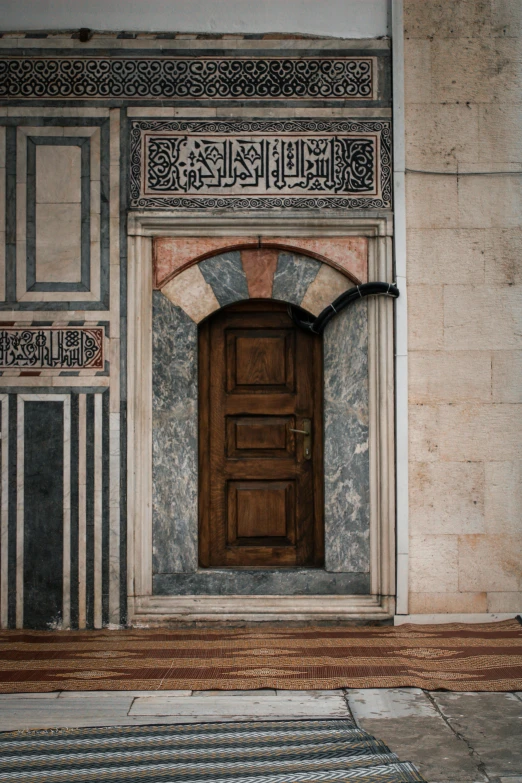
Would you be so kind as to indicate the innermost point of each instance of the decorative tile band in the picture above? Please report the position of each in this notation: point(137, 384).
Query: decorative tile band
point(48, 347)
point(215, 78)
point(261, 164)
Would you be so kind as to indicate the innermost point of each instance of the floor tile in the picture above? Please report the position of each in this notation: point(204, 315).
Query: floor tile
point(260, 692)
point(430, 744)
point(384, 703)
point(301, 705)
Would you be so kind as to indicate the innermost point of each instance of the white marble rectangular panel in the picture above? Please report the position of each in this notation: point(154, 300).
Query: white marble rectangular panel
point(58, 174)
point(58, 243)
point(58, 229)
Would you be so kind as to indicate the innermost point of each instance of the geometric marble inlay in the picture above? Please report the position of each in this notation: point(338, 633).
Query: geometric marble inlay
point(261, 164)
point(52, 347)
point(266, 78)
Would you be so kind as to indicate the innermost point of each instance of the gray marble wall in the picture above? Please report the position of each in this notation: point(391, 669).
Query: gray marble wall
point(174, 439)
point(175, 458)
point(346, 457)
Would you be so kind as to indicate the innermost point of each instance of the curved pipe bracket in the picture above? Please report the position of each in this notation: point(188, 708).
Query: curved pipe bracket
point(318, 324)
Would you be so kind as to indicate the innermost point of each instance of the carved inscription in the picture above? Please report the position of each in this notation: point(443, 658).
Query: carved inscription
point(261, 164)
point(47, 347)
point(251, 165)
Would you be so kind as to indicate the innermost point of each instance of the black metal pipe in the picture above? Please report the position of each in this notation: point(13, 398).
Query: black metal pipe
point(318, 324)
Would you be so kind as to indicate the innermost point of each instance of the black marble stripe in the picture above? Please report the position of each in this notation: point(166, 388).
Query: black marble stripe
point(10, 217)
point(90, 511)
point(74, 509)
point(252, 54)
point(105, 162)
point(11, 525)
point(119, 103)
point(53, 389)
point(72, 122)
point(43, 513)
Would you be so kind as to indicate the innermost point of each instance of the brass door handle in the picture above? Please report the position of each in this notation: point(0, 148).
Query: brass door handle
point(307, 440)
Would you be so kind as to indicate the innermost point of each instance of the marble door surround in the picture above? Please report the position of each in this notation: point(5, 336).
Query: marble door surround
point(174, 266)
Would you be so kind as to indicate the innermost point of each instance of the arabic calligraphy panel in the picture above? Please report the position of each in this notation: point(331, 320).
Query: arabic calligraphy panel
point(293, 163)
point(51, 348)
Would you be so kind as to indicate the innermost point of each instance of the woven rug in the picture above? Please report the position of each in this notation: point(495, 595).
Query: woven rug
point(265, 752)
point(454, 657)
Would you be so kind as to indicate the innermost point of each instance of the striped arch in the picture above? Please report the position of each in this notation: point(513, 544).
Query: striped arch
point(202, 282)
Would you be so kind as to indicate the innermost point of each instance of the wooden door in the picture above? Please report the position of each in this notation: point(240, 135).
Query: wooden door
point(261, 484)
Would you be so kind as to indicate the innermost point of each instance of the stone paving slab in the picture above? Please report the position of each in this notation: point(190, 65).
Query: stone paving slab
point(411, 725)
point(491, 724)
point(450, 737)
point(123, 708)
point(382, 703)
point(116, 694)
point(328, 704)
point(260, 692)
point(471, 705)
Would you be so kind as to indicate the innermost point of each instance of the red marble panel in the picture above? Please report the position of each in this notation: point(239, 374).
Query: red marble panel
point(259, 265)
point(173, 254)
point(348, 254)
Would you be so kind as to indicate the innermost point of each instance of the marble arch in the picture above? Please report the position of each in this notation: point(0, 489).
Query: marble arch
point(165, 553)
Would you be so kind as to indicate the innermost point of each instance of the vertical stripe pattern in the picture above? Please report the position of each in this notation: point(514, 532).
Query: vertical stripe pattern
point(55, 511)
point(4, 510)
point(98, 549)
point(82, 512)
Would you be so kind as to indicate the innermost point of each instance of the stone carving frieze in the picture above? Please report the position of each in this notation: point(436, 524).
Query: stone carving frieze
point(46, 347)
point(202, 77)
point(307, 164)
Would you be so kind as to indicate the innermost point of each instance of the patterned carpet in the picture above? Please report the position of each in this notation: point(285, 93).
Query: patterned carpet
point(321, 751)
point(453, 657)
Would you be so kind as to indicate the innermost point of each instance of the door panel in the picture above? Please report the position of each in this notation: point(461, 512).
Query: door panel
point(261, 437)
point(261, 496)
point(260, 361)
point(259, 510)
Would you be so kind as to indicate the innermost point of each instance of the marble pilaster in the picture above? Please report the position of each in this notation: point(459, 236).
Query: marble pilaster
point(174, 439)
point(346, 457)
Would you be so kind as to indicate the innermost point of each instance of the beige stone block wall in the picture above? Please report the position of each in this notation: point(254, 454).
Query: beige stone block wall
point(463, 84)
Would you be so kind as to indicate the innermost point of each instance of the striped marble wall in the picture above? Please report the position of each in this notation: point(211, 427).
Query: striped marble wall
point(68, 174)
point(62, 537)
point(55, 509)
